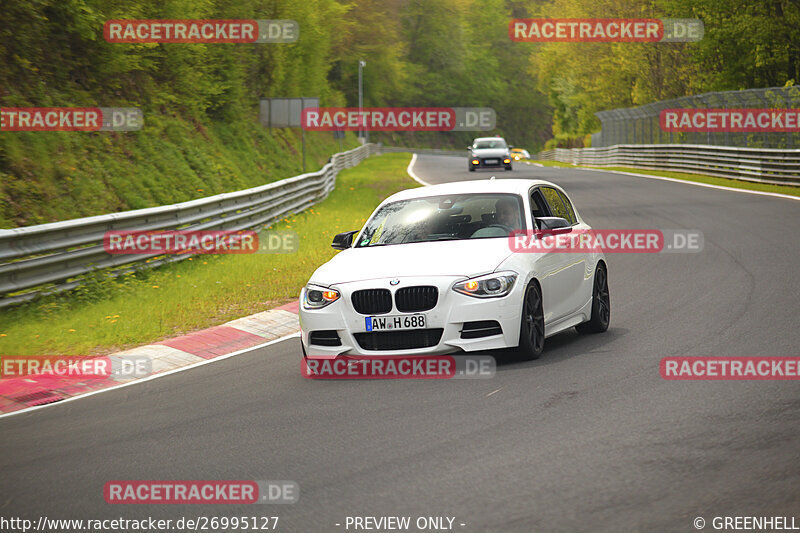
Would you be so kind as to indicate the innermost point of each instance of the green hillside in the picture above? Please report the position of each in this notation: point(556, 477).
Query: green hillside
point(200, 101)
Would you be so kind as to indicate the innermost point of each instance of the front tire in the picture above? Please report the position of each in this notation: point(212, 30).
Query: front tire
point(531, 333)
point(509, 167)
point(601, 304)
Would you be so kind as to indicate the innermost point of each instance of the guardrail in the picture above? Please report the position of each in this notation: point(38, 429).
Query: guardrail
point(51, 258)
point(764, 165)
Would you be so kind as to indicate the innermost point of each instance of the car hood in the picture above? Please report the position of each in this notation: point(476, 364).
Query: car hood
point(443, 258)
point(490, 152)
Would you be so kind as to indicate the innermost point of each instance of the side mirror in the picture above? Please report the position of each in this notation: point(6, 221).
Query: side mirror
point(343, 241)
point(553, 226)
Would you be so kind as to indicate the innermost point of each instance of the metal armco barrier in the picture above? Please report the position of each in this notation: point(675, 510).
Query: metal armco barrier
point(764, 165)
point(53, 257)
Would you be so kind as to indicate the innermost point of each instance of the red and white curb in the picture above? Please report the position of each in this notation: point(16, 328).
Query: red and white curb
point(168, 356)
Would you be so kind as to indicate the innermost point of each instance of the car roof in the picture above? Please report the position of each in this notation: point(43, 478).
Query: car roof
point(513, 186)
point(488, 139)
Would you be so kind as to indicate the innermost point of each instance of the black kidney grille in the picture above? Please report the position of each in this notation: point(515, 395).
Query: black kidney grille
point(399, 340)
point(372, 301)
point(411, 299)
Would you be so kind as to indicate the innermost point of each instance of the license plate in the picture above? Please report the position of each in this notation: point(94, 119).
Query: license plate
point(491, 161)
point(392, 322)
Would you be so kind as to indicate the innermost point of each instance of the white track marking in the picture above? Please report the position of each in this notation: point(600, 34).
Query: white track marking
point(697, 183)
point(411, 173)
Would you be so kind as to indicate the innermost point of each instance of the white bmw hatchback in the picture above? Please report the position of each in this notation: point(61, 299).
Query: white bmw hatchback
point(433, 272)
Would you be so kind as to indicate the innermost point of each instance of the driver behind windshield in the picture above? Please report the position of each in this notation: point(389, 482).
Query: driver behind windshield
point(507, 213)
point(506, 220)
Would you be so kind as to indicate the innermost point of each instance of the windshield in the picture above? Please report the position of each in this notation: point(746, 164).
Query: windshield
point(439, 218)
point(492, 143)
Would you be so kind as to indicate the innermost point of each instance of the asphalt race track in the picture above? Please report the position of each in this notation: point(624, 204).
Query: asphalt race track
point(588, 438)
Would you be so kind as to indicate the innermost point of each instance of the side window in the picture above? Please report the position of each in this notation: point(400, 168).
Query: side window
point(538, 205)
point(554, 201)
point(572, 218)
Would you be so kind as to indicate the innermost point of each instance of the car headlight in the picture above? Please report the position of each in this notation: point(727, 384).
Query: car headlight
point(318, 297)
point(489, 286)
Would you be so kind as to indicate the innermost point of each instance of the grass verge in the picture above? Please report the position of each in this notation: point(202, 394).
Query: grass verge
point(700, 178)
point(151, 305)
point(51, 176)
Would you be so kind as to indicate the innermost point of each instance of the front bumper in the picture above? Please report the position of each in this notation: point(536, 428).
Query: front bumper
point(490, 162)
point(452, 310)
